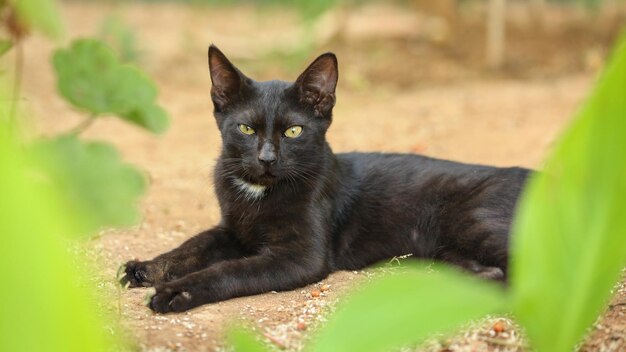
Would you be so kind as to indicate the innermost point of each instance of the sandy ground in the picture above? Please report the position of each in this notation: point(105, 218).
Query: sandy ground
point(495, 121)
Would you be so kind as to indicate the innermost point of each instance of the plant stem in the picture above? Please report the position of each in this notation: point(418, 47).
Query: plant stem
point(496, 32)
point(83, 125)
point(17, 81)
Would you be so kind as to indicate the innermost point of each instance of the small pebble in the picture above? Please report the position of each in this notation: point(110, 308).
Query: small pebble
point(498, 327)
point(315, 293)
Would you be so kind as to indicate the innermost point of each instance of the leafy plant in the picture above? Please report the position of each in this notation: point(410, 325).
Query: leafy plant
point(244, 340)
point(43, 306)
point(5, 46)
point(94, 181)
point(92, 175)
point(18, 18)
point(41, 15)
point(91, 78)
point(570, 234)
point(62, 186)
point(569, 246)
point(121, 37)
point(405, 308)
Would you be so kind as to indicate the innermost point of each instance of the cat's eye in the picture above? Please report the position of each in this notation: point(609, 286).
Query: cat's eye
point(293, 131)
point(245, 129)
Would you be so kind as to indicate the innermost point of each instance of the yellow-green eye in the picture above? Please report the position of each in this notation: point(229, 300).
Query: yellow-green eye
point(293, 131)
point(245, 129)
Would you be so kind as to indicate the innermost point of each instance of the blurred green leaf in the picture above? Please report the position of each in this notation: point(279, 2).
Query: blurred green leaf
point(397, 310)
point(244, 341)
point(121, 38)
point(44, 308)
point(41, 15)
point(570, 234)
point(91, 78)
point(311, 10)
point(93, 179)
point(5, 46)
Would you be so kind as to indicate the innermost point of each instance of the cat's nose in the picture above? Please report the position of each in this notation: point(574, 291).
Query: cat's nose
point(267, 155)
point(267, 159)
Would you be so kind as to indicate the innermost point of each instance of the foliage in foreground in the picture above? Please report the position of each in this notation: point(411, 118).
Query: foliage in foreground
point(62, 185)
point(570, 233)
point(43, 306)
point(568, 250)
point(93, 178)
point(95, 181)
point(91, 175)
point(405, 308)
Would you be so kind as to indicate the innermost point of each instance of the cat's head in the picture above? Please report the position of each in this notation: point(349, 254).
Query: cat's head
point(273, 130)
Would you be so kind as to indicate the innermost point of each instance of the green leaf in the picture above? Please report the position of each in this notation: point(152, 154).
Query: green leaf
point(41, 15)
point(570, 233)
point(121, 38)
point(402, 309)
point(5, 46)
point(93, 180)
point(244, 341)
point(91, 78)
point(44, 308)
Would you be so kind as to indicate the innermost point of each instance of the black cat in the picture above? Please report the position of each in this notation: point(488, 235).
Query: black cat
point(293, 212)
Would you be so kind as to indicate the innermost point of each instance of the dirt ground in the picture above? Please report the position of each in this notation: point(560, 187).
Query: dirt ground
point(497, 119)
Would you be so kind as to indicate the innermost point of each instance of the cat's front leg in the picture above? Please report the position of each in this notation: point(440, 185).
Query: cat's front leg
point(243, 277)
point(195, 254)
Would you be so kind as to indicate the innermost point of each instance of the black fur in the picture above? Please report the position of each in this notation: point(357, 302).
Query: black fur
point(320, 212)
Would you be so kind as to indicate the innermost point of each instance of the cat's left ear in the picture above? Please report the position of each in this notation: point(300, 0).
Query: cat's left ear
point(316, 85)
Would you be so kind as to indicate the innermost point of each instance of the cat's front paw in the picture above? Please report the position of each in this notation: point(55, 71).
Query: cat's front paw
point(169, 299)
point(137, 274)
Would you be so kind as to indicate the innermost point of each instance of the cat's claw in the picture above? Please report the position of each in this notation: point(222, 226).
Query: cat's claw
point(169, 300)
point(133, 274)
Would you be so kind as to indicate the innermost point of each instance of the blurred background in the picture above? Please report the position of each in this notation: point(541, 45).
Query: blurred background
point(425, 72)
point(490, 82)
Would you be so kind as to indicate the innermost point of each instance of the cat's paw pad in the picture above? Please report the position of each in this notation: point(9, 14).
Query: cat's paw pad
point(134, 274)
point(167, 299)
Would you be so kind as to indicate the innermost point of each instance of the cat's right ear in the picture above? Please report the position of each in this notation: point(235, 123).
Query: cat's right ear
point(227, 80)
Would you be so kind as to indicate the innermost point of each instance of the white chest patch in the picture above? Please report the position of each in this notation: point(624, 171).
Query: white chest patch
point(250, 190)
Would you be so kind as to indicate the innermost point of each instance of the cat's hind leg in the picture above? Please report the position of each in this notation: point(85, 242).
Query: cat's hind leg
point(486, 272)
point(472, 266)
